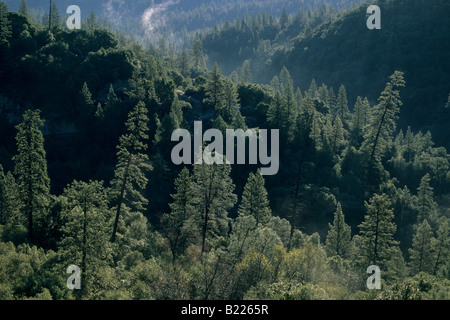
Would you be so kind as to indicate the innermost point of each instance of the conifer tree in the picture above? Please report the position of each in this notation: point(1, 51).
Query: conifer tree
point(214, 195)
point(5, 25)
point(246, 72)
point(285, 78)
point(178, 223)
point(239, 121)
point(284, 19)
point(31, 169)
point(130, 174)
point(337, 135)
point(274, 113)
point(425, 200)
point(290, 112)
point(254, 199)
point(360, 120)
point(339, 235)
point(421, 252)
point(341, 108)
point(312, 90)
point(214, 89)
point(383, 123)
point(91, 22)
point(184, 65)
point(229, 105)
point(9, 199)
point(54, 16)
point(377, 231)
point(441, 246)
point(86, 104)
point(85, 234)
point(23, 9)
point(198, 57)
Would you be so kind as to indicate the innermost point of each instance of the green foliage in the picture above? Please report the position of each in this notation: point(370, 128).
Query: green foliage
point(420, 287)
point(421, 253)
point(85, 240)
point(379, 135)
point(339, 235)
point(254, 199)
point(213, 192)
point(130, 178)
point(377, 231)
point(31, 171)
point(177, 232)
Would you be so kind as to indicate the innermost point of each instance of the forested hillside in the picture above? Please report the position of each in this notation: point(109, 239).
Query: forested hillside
point(87, 176)
point(413, 38)
point(151, 20)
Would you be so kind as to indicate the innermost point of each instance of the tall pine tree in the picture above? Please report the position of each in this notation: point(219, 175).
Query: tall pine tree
point(426, 205)
point(421, 253)
point(383, 123)
point(254, 199)
point(178, 224)
point(339, 235)
point(31, 169)
point(214, 196)
point(133, 164)
point(85, 234)
point(377, 232)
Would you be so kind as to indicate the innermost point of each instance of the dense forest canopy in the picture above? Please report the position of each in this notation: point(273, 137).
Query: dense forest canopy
point(176, 19)
point(87, 177)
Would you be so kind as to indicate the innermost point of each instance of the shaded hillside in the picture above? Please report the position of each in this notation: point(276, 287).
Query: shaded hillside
point(413, 39)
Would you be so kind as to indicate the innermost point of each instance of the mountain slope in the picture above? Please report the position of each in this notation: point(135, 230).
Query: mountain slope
point(413, 39)
point(162, 18)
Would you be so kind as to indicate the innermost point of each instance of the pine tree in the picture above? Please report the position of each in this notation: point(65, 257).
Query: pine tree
point(198, 57)
point(425, 200)
point(290, 112)
point(130, 174)
point(337, 135)
point(54, 16)
point(184, 65)
point(377, 231)
point(312, 90)
point(85, 234)
point(214, 196)
point(23, 9)
point(246, 72)
point(341, 108)
point(284, 19)
point(441, 246)
point(31, 169)
point(91, 22)
point(421, 252)
point(86, 104)
point(339, 235)
point(229, 104)
point(214, 88)
point(5, 25)
point(9, 199)
point(239, 121)
point(274, 113)
point(360, 120)
point(285, 78)
point(178, 223)
point(383, 123)
point(254, 199)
